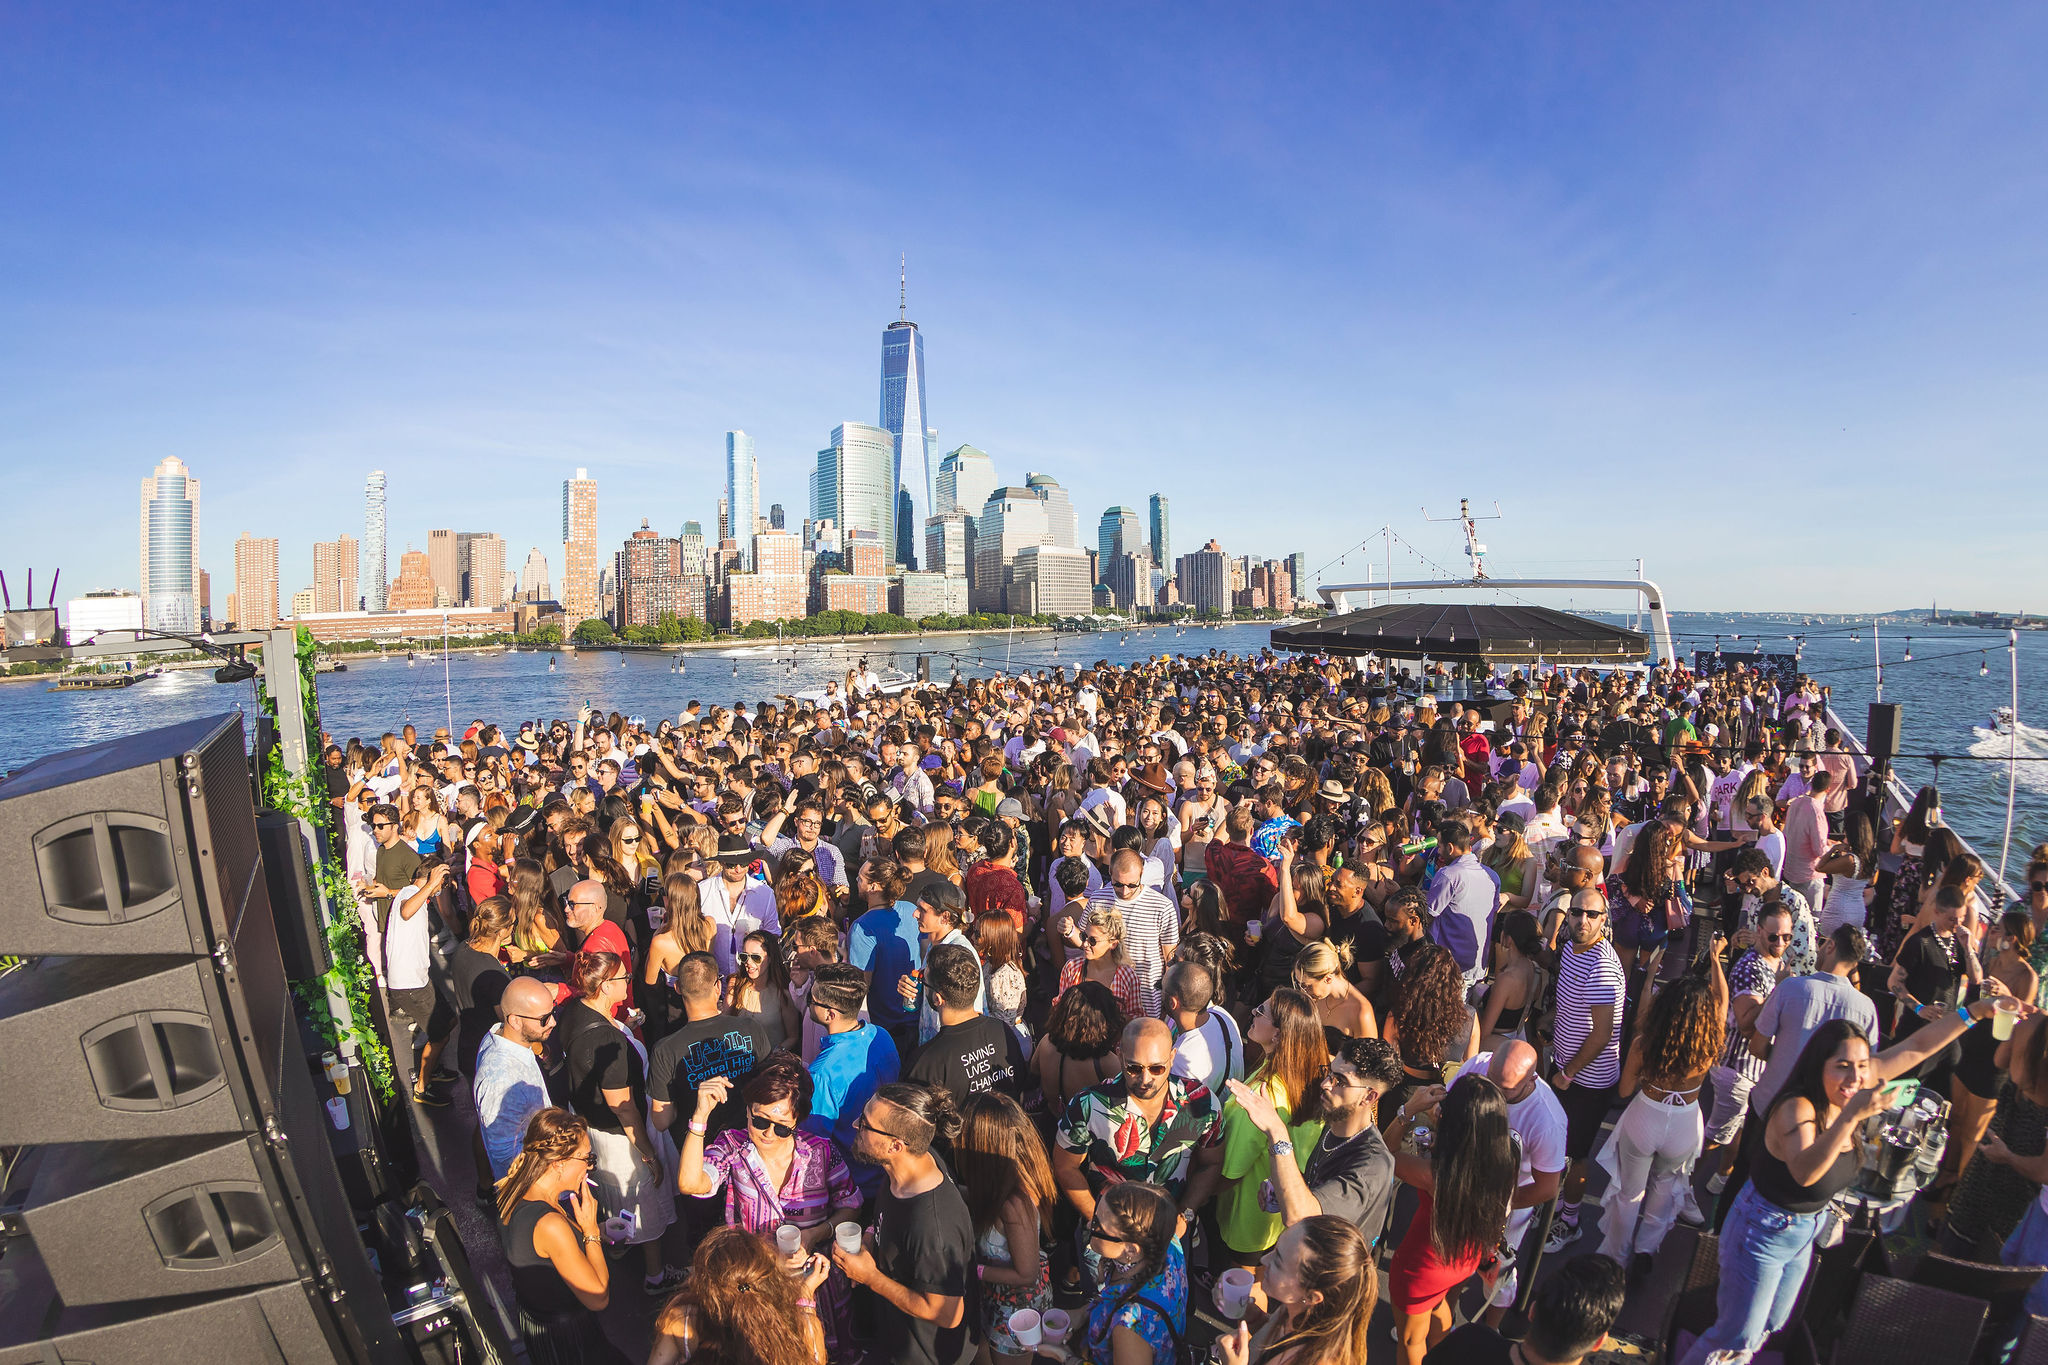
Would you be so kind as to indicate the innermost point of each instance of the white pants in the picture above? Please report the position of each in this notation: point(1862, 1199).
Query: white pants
point(1505, 1285)
point(1648, 1161)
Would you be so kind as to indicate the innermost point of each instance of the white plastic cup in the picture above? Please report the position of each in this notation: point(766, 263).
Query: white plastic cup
point(847, 1235)
point(2006, 1014)
point(1234, 1288)
point(788, 1237)
point(1025, 1326)
point(1056, 1324)
point(337, 1112)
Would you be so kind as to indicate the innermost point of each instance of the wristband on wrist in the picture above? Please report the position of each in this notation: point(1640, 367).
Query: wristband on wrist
point(699, 1128)
point(811, 1304)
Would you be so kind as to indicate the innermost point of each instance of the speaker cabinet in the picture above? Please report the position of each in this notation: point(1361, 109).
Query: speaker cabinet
point(140, 846)
point(287, 876)
point(1887, 730)
point(282, 1324)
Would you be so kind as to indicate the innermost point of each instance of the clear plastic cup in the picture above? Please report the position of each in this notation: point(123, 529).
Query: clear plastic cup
point(847, 1235)
point(1056, 1324)
point(1234, 1292)
point(788, 1238)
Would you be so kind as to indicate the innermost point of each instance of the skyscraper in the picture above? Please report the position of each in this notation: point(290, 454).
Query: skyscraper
point(442, 564)
point(1205, 578)
point(966, 477)
point(255, 581)
point(1119, 533)
point(170, 548)
point(906, 529)
point(1010, 520)
point(533, 578)
point(742, 491)
point(906, 411)
point(579, 547)
point(375, 568)
point(691, 546)
point(413, 589)
point(334, 574)
point(1162, 543)
point(851, 487)
point(1062, 527)
point(480, 569)
point(949, 544)
point(775, 517)
point(1297, 572)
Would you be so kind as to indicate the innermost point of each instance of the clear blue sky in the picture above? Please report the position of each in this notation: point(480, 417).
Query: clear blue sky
point(1754, 292)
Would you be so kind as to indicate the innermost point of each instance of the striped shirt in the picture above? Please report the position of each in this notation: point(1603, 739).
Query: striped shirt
point(1586, 979)
point(1151, 933)
point(1752, 977)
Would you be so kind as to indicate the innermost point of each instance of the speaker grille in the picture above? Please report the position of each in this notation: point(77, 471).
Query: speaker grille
point(154, 1059)
point(106, 867)
point(211, 1226)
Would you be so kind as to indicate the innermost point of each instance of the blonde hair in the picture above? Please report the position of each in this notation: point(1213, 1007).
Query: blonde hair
point(1110, 920)
point(1321, 957)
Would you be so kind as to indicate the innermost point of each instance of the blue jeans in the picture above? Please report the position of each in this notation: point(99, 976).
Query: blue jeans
point(2028, 1245)
point(1765, 1254)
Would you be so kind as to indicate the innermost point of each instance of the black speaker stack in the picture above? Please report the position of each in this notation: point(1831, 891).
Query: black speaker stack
point(171, 1190)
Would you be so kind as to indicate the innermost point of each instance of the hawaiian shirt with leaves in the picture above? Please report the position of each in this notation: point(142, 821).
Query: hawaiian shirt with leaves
point(1115, 1142)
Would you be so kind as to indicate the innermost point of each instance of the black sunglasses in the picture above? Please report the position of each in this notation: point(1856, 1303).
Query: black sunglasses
point(761, 1124)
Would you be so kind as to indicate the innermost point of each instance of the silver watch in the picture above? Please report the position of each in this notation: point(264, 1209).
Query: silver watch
point(1283, 1148)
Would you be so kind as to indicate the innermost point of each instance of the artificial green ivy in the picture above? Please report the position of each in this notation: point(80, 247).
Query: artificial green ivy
point(350, 977)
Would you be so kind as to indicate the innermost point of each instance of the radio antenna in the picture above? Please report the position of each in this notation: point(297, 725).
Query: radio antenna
point(1474, 551)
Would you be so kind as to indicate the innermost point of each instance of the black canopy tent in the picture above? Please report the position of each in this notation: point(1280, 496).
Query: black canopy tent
point(1453, 632)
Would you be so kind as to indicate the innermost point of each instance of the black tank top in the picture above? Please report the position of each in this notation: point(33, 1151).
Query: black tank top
point(1773, 1180)
point(542, 1291)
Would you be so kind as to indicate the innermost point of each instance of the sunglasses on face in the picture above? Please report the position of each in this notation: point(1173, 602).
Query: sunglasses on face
point(864, 1126)
point(761, 1123)
point(1097, 1233)
point(753, 959)
point(1127, 886)
point(1154, 1069)
point(1588, 914)
point(383, 824)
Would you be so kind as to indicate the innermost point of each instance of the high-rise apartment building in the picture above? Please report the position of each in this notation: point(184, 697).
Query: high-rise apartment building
point(966, 477)
point(851, 485)
point(906, 529)
point(775, 517)
point(917, 595)
point(651, 582)
point(480, 569)
point(205, 600)
point(742, 488)
point(691, 545)
point(1297, 573)
point(906, 410)
point(171, 577)
point(533, 578)
point(413, 589)
point(949, 544)
point(441, 563)
point(1162, 540)
point(1128, 576)
point(1061, 525)
point(1118, 533)
point(1051, 580)
point(302, 602)
point(375, 565)
point(1204, 578)
point(579, 547)
point(778, 552)
point(334, 574)
point(1010, 520)
point(255, 581)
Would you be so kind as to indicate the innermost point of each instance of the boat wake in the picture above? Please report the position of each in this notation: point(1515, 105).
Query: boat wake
point(2030, 742)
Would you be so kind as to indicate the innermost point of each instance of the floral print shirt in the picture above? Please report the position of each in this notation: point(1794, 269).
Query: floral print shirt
point(1115, 1142)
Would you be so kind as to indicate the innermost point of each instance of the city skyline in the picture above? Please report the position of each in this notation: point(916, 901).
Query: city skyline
point(1577, 267)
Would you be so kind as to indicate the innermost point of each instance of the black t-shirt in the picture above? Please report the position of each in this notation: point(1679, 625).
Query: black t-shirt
point(394, 868)
point(1934, 971)
point(1473, 1344)
point(922, 882)
point(926, 1244)
point(1363, 931)
point(1352, 1179)
point(479, 981)
point(979, 1056)
point(599, 1057)
point(724, 1045)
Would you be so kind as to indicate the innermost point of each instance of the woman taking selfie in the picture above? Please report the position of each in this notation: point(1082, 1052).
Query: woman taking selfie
point(1102, 961)
point(1807, 1157)
point(741, 1304)
point(1321, 1287)
point(1286, 1029)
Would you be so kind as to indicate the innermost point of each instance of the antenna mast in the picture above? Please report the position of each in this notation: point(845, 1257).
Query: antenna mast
point(1474, 551)
point(903, 288)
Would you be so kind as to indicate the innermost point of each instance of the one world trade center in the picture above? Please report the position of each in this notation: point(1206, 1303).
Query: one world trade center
point(905, 414)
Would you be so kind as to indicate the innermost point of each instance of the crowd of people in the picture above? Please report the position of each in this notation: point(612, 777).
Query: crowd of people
point(938, 1018)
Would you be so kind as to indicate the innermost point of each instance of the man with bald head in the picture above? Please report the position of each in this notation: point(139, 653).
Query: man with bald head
point(1147, 1125)
point(1537, 1117)
point(1151, 922)
point(511, 1083)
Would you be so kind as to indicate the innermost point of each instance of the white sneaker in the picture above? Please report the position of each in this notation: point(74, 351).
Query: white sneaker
point(1717, 1182)
point(1689, 1209)
point(1562, 1235)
